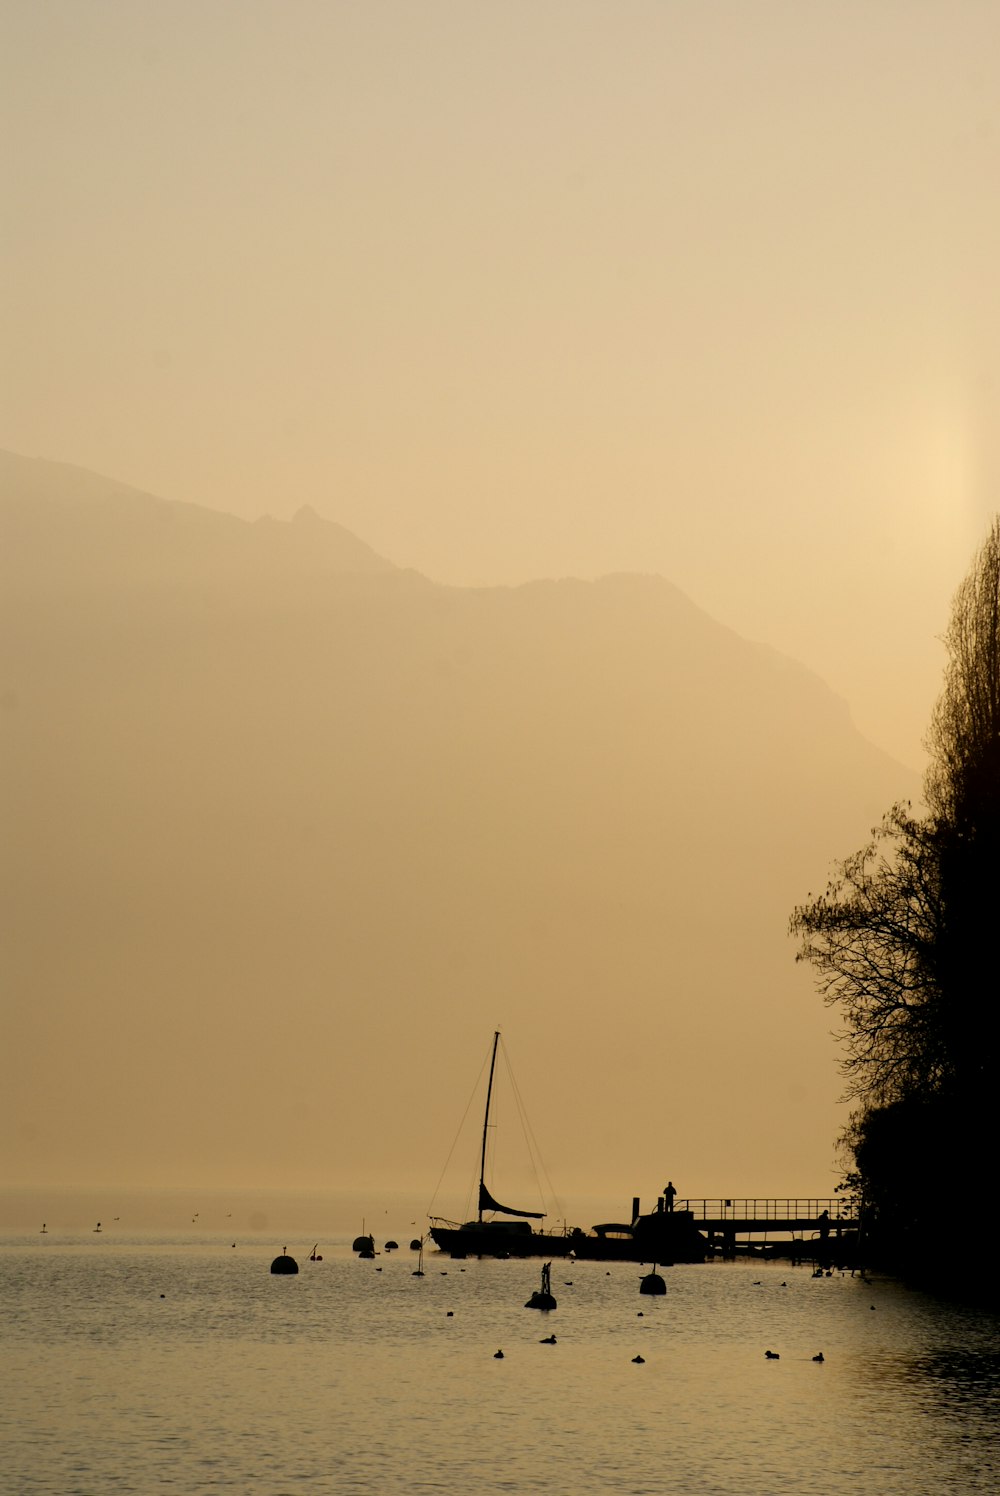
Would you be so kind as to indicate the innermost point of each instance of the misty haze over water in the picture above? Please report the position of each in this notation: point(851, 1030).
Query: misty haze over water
point(544, 441)
point(292, 829)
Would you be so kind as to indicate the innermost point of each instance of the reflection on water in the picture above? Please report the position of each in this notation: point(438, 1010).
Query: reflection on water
point(958, 1375)
point(136, 1367)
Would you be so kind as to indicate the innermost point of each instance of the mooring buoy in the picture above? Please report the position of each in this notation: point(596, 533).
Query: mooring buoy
point(543, 1298)
point(284, 1263)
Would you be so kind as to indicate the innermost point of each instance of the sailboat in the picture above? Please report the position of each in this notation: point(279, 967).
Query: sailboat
point(498, 1238)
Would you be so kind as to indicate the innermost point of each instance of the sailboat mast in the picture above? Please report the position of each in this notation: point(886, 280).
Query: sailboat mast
point(486, 1123)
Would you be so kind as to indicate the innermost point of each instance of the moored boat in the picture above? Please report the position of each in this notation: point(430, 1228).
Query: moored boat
point(485, 1236)
point(662, 1236)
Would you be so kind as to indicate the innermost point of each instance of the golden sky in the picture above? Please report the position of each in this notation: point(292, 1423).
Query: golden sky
point(535, 289)
point(705, 289)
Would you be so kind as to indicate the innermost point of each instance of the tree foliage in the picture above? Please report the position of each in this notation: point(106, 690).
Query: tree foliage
point(904, 940)
point(873, 937)
point(963, 781)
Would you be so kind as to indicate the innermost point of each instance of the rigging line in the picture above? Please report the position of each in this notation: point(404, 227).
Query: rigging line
point(458, 1134)
point(497, 1114)
point(546, 1190)
point(559, 1208)
point(525, 1129)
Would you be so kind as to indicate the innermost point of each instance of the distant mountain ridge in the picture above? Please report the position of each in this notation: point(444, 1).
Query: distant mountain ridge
point(93, 526)
point(282, 819)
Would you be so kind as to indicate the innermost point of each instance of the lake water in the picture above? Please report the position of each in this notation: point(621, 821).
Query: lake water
point(158, 1362)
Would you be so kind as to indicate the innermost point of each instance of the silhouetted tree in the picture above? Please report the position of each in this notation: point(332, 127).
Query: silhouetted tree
point(873, 938)
point(963, 794)
point(905, 944)
point(963, 781)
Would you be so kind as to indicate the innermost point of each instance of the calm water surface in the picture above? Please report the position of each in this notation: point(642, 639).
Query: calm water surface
point(148, 1365)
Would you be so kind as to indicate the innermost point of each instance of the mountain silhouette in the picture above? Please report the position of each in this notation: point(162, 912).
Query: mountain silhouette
point(291, 829)
point(92, 529)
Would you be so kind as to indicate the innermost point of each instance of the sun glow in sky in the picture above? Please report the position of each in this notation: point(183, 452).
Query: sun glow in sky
point(512, 291)
point(548, 288)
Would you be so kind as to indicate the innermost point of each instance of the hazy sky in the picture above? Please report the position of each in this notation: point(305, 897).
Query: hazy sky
point(524, 289)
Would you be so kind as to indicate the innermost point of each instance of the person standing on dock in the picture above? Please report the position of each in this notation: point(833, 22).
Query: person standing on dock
point(669, 1194)
point(823, 1222)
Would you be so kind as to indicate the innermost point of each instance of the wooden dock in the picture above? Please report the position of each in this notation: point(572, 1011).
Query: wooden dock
point(830, 1217)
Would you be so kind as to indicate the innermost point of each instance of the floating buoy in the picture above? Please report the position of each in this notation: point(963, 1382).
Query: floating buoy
point(652, 1283)
point(314, 1255)
point(543, 1298)
point(284, 1263)
point(416, 1244)
point(363, 1244)
point(391, 1246)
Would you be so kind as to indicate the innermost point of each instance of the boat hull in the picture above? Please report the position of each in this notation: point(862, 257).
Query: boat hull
point(663, 1239)
point(489, 1240)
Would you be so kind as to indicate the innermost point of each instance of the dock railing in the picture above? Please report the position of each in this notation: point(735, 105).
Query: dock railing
point(840, 1210)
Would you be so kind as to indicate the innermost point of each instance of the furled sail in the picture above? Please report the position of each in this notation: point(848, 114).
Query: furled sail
point(487, 1202)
